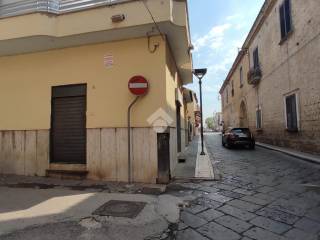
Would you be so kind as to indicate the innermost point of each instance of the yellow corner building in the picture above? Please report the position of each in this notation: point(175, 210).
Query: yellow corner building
point(64, 98)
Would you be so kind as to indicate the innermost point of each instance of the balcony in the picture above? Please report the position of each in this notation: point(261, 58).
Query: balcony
point(28, 26)
point(254, 76)
point(57, 7)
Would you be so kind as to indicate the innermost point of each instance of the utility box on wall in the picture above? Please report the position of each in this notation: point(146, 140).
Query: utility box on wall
point(163, 140)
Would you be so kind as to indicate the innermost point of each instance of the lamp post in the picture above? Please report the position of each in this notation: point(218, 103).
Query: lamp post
point(199, 73)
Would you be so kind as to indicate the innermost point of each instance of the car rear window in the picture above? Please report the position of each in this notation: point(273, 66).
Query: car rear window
point(241, 130)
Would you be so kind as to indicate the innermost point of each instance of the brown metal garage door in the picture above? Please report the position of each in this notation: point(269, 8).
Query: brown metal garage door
point(68, 124)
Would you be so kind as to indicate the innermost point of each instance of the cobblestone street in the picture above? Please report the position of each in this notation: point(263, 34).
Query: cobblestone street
point(262, 195)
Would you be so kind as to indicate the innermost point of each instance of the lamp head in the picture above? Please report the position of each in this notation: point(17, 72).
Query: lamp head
point(200, 72)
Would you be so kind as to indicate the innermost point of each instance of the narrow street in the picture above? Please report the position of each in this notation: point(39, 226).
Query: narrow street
point(262, 194)
point(111, 113)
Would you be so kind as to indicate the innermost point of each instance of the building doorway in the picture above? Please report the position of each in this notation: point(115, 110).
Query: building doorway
point(243, 115)
point(68, 124)
point(190, 130)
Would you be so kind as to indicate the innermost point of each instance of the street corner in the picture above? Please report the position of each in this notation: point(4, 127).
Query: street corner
point(160, 120)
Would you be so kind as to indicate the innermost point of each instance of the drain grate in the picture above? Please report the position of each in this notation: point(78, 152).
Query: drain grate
point(115, 208)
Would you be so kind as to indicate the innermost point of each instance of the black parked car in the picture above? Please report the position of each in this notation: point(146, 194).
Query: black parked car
point(238, 137)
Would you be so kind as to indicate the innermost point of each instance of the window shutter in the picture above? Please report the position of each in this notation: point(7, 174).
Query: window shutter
point(291, 107)
point(289, 113)
point(282, 21)
point(256, 58)
point(294, 123)
point(241, 76)
point(287, 15)
point(258, 118)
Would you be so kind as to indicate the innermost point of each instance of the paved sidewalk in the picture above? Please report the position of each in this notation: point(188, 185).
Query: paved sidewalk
point(186, 169)
point(204, 168)
point(291, 152)
point(194, 165)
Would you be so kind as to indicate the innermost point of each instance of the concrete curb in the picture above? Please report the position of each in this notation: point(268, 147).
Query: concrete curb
point(300, 155)
point(192, 179)
point(204, 167)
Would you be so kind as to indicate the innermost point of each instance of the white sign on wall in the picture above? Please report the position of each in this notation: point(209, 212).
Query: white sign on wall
point(108, 60)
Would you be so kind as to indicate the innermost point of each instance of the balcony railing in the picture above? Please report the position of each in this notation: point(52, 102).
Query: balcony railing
point(254, 75)
point(51, 6)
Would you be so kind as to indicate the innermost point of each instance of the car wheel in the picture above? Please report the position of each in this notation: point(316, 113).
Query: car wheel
point(229, 145)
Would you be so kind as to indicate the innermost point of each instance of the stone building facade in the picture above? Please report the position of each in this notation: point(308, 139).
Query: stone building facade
point(273, 86)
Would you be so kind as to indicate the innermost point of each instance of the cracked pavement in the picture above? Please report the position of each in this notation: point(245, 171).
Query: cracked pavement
point(63, 213)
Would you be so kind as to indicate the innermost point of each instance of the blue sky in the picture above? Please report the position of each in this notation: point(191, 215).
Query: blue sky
point(218, 29)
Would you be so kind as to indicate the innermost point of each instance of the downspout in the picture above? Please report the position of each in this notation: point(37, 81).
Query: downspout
point(129, 139)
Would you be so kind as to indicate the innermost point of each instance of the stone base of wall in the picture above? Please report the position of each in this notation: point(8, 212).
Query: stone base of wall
point(24, 152)
point(27, 153)
point(107, 154)
point(296, 141)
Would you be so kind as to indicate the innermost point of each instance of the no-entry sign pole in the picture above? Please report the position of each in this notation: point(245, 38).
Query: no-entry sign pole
point(129, 138)
point(138, 86)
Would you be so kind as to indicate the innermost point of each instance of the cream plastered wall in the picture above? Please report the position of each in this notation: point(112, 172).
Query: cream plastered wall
point(172, 83)
point(191, 108)
point(26, 81)
point(96, 19)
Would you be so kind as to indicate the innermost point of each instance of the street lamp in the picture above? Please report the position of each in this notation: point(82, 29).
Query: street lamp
point(199, 73)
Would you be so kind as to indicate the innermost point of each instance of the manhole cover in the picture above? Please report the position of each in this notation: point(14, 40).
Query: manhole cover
point(116, 208)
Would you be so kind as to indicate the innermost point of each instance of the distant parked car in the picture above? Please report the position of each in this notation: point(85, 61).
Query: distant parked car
point(238, 137)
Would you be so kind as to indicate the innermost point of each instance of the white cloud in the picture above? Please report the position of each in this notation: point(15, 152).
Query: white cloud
point(240, 26)
point(223, 66)
point(214, 39)
point(238, 21)
point(233, 17)
point(211, 89)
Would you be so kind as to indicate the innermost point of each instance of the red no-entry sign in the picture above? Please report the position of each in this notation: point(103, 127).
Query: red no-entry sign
point(138, 85)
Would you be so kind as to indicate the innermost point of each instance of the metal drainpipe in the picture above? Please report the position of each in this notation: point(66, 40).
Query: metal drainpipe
point(129, 138)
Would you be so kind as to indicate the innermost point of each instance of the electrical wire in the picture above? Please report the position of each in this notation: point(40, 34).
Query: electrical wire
point(153, 19)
